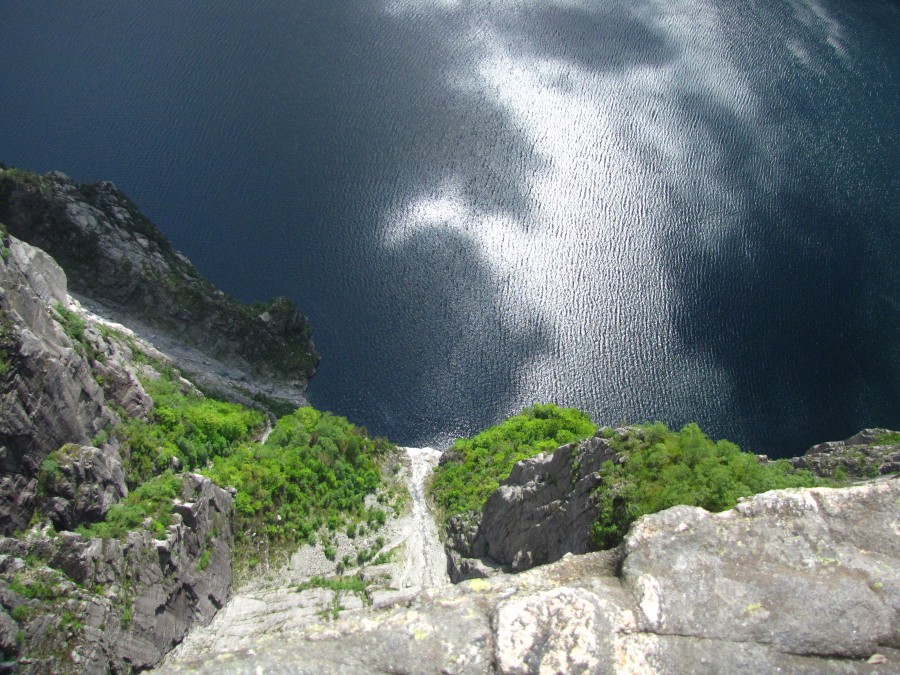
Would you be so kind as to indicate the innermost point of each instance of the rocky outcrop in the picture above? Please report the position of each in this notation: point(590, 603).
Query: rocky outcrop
point(117, 258)
point(542, 511)
point(49, 394)
point(803, 581)
point(870, 453)
point(82, 604)
point(81, 484)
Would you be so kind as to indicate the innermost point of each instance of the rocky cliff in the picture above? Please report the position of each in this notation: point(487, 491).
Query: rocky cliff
point(73, 602)
point(50, 394)
point(546, 506)
point(801, 581)
point(116, 259)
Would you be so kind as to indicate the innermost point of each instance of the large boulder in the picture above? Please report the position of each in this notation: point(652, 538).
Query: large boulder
point(542, 511)
point(800, 581)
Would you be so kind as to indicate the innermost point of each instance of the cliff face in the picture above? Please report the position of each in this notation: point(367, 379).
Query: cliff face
point(117, 258)
point(70, 602)
point(545, 508)
point(801, 581)
point(50, 393)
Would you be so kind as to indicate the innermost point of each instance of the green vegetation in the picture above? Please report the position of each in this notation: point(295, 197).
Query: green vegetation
point(184, 425)
point(22, 177)
point(72, 322)
point(890, 438)
point(315, 469)
point(661, 468)
point(351, 584)
point(462, 485)
point(151, 500)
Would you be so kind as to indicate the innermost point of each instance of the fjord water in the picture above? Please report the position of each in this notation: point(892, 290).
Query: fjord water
point(658, 209)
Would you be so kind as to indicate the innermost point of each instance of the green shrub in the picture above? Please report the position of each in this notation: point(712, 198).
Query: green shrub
point(890, 438)
point(314, 468)
point(661, 468)
point(203, 561)
point(463, 484)
point(152, 500)
point(189, 426)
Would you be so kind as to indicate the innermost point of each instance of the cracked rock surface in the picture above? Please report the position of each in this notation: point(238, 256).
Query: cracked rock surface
point(804, 580)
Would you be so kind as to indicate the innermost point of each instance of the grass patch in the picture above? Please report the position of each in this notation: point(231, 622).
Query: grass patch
point(351, 584)
point(663, 468)
point(890, 438)
point(463, 484)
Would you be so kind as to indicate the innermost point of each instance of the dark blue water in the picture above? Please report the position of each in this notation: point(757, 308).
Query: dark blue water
point(677, 210)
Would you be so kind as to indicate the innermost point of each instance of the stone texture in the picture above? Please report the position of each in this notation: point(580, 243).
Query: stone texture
point(87, 483)
point(48, 393)
point(133, 600)
point(801, 581)
point(542, 511)
point(861, 456)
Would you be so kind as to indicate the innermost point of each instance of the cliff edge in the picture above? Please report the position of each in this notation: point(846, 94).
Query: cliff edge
point(124, 268)
point(800, 580)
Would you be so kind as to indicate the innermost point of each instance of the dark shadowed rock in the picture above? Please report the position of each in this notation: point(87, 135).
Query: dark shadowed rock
point(84, 484)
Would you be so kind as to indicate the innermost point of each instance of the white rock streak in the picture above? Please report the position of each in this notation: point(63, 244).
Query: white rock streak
point(426, 564)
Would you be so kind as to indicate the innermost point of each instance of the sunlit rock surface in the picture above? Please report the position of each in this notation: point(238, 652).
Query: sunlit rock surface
point(804, 580)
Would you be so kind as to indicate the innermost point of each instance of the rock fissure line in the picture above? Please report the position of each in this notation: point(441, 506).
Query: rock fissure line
point(426, 563)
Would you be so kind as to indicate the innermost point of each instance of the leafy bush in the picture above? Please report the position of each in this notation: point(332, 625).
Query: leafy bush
point(315, 468)
point(661, 468)
point(153, 500)
point(189, 426)
point(889, 438)
point(463, 484)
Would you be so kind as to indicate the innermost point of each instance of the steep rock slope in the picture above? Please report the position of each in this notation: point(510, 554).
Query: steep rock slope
point(117, 258)
point(546, 506)
point(49, 394)
point(802, 580)
point(70, 602)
